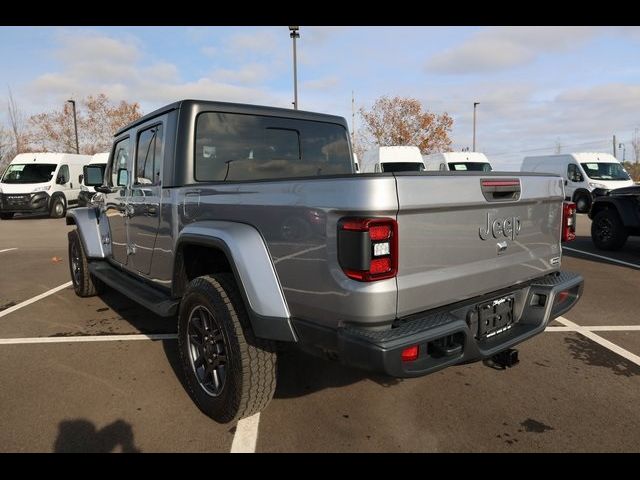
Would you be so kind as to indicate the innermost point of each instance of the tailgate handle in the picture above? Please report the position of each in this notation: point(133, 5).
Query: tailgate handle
point(500, 190)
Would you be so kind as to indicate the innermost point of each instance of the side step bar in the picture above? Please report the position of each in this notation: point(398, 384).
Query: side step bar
point(145, 295)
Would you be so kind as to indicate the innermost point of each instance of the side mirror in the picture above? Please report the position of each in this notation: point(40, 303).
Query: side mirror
point(93, 175)
point(123, 177)
point(80, 177)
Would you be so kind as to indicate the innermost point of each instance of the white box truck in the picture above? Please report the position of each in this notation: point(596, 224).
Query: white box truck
point(392, 159)
point(457, 162)
point(41, 183)
point(583, 173)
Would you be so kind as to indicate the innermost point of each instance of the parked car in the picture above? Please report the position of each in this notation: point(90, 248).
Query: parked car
point(392, 159)
point(41, 183)
point(457, 162)
point(585, 174)
point(86, 193)
point(251, 224)
point(614, 217)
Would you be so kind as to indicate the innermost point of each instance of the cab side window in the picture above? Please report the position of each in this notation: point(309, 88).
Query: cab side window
point(149, 156)
point(120, 161)
point(63, 175)
point(573, 173)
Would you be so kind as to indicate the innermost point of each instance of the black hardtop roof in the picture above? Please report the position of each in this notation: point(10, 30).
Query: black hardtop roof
point(237, 108)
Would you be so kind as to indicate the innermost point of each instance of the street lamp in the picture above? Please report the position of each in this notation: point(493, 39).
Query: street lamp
point(75, 123)
point(475, 104)
point(294, 34)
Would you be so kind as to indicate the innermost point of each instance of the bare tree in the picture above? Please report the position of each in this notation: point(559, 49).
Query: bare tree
point(98, 120)
point(402, 121)
point(17, 125)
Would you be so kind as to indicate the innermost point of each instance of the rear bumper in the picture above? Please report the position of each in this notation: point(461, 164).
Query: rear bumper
point(535, 306)
point(25, 203)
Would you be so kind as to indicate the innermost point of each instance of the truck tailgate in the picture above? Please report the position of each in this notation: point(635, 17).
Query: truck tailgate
point(449, 247)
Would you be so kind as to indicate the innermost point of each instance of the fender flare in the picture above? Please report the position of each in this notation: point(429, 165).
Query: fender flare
point(86, 221)
point(253, 270)
point(624, 208)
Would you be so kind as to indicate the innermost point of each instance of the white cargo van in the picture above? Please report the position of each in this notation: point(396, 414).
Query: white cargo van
point(582, 173)
point(87, 193)
point(457, 162)
point(41, 183)
point(392, 159)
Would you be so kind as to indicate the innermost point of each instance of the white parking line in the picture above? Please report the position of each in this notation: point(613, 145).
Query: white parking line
point(88, 338)
point(602, 256)
point(7, 250)
point(597, 328)
point(34, 299)
point(601, 341)
point(246, 436)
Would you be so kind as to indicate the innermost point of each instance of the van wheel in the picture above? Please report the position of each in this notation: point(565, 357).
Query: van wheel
point(58, 208)
point(7, 216)
point(608, 231)
point(84, 284)
point(230, 374)
point(583, 203)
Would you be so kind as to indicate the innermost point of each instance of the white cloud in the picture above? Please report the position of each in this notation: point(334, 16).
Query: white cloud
point(254, 73)
point(324, 83)
point(261, 41)
point(210, 51)
point(99, 64)
point(500, 48)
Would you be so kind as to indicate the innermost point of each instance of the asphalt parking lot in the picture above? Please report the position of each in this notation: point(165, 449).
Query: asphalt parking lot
point(101, 374)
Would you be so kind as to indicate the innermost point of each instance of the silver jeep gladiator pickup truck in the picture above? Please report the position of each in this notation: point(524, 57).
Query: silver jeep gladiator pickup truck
point(250, 224)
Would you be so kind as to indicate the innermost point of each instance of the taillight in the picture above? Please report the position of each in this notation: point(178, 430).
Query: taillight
point(568, 221)
point(368, 248)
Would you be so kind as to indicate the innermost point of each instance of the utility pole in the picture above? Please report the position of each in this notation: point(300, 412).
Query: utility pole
point(294, 34)
point(75, 124)
point(614, 146)
point(475, 104)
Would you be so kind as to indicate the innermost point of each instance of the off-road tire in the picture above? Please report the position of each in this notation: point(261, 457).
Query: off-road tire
point(84, 283)
point(607, 230)
point(250, 369)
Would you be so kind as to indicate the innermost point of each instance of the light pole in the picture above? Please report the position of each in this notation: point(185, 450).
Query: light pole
point(294, 34)
point(75, 123)
point(475, 104)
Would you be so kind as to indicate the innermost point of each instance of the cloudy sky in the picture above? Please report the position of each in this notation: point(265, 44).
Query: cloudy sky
point(537, 86)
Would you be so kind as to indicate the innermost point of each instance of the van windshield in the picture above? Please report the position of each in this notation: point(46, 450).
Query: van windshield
point(29, 173)
point(403, 167)
point(470, 166)
point(605, 171)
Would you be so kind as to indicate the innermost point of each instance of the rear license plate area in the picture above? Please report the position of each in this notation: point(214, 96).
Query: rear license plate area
point(494, 317)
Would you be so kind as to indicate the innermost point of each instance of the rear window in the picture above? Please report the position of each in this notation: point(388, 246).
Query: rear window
point(469, 166)
point(232, 147)
point(402, 167)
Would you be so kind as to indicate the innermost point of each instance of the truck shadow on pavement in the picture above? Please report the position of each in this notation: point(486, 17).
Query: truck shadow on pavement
point(81, 436)
point(301, 374)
